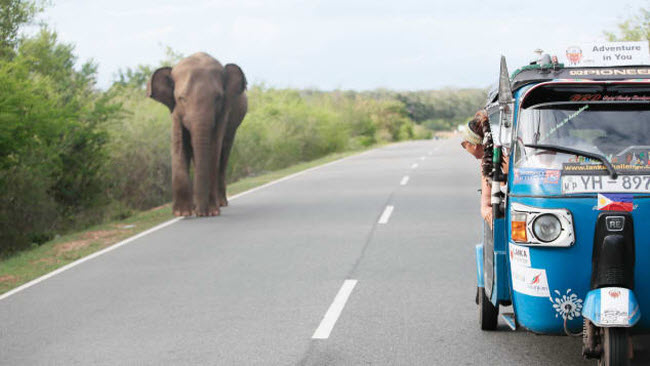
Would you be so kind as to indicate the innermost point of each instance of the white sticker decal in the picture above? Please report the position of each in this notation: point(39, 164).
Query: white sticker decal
point(568, 306)
point(519, 256)
point(530, 281)
point(614, 305)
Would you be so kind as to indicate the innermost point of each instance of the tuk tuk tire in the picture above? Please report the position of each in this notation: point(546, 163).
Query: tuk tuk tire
point(488, 314)
point(616, 347)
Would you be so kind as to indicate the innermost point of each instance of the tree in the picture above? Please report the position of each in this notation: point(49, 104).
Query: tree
point(636, 28)
point(50, 58)
point(14, 14)
point(31, 122)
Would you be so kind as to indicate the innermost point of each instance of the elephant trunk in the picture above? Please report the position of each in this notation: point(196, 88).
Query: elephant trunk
point(204, 151)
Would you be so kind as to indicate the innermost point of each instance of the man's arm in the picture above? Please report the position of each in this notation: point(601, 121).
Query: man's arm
point(486, 206)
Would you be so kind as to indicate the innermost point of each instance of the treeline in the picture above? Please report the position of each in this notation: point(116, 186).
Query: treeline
point(72, 155)
point(442, 110)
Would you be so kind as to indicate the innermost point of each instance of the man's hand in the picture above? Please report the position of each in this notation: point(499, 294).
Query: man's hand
point(486, 212)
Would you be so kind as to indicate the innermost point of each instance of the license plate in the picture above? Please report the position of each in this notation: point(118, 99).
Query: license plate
point(604, 183)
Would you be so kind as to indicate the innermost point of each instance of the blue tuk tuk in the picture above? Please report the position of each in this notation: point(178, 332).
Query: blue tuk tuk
point(569, 247)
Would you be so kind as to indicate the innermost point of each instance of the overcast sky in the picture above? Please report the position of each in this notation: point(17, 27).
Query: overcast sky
point(329, 44)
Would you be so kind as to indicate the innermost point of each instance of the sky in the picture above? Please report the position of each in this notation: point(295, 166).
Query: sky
point(336, 44)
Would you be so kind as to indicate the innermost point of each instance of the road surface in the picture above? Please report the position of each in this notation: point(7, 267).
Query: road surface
point(366, 261)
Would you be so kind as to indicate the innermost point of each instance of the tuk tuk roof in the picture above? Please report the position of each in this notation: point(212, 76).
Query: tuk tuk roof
point(532, 74)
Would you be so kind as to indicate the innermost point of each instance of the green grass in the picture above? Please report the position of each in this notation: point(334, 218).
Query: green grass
point(39, 260)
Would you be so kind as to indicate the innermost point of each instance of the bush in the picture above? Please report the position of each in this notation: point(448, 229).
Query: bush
point(138, 170)
point(51, 143)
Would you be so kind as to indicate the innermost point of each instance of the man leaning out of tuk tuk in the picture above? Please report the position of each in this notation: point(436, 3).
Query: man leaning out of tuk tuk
point(477, 140)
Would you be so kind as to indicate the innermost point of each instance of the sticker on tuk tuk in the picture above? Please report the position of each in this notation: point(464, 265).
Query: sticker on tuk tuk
point(536, 176)
point(530, 281)
point(600, 53)
point(615, 202)
point(567, 305)
point(552, 177)
point(632, 164)
point(519, 256)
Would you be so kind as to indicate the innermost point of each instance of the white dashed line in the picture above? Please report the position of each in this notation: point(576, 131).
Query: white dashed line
point(385, 216)
point(414, 166)
point(430, 153)
point(329, 320)
point(422, 157)
point(404, 180)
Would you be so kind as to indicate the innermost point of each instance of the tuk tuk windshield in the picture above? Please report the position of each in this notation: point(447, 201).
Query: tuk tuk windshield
point(619, 132)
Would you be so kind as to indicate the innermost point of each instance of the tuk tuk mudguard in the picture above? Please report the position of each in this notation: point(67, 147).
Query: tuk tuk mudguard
point(613, 257)
point(604, 317)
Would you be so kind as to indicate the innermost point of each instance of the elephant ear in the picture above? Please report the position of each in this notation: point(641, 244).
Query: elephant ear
point(235, 80)
point(161, 87)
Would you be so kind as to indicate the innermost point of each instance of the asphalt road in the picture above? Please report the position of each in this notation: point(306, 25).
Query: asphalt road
point(251, 287)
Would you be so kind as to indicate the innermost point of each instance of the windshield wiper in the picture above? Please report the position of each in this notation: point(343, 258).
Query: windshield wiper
point(568, 150)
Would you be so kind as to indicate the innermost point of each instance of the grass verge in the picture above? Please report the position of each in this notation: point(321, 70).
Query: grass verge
point(39, 260)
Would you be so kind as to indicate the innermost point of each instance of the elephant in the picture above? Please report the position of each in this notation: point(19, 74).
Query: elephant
point(207, 102)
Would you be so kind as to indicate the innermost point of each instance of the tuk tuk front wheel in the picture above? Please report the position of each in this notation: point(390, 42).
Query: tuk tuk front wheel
point(616, 347)
point(488, 314)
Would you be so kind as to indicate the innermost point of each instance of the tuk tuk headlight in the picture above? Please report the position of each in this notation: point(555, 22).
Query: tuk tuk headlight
point(544, 227)
point(547, 227)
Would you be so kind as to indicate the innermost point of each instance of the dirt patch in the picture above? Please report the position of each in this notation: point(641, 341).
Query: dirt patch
point(166, 205)
point(102, 236)
point(45, 261)
point(8, 279)
point(71, 245)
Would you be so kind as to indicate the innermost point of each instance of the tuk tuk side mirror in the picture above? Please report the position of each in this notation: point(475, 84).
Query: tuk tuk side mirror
point(506, 105)
point(505, 124)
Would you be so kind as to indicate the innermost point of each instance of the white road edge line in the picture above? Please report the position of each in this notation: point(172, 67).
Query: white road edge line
point(404, 180)
point(414, 166)
point(332, 315)
point(385, 216)
point(84, 259)
point(155, 228)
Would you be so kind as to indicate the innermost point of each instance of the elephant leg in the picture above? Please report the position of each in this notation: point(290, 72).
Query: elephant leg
point(223, 166)
point(217, 183)
point(181, 186)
